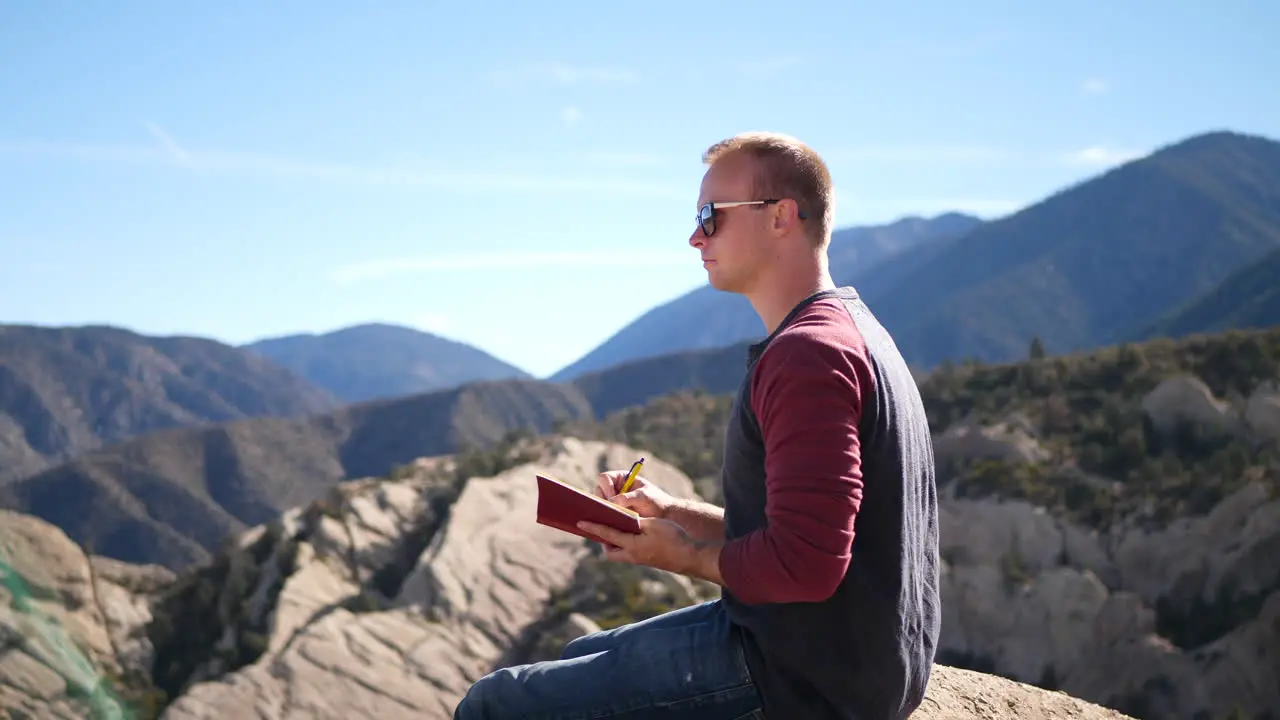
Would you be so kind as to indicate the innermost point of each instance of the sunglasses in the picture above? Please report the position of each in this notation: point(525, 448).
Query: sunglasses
point(707, 213)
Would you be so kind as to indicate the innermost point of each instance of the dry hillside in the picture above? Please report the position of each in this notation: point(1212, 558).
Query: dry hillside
point(172, 497)
point(67, 390)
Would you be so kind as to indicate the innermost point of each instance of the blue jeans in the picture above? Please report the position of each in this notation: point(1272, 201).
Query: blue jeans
point(686, 663)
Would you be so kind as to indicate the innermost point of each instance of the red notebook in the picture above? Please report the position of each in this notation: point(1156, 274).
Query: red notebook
point(563, 506)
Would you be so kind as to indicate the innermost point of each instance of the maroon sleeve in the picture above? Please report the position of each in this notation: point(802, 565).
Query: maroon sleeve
point(807, 394)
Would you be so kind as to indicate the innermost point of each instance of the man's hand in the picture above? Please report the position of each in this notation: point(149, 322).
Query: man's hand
point(644, 497)
point(660, 544)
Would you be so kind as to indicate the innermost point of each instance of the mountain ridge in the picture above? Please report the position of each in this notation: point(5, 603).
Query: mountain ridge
point(1248, 298)
point(1094, 263)
point(68, 389)
point(373, 360)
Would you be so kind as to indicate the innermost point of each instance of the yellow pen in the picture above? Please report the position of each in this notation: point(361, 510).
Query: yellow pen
point(631, 476)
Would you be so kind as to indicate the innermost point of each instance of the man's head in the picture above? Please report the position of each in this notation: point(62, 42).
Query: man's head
point(789, 213)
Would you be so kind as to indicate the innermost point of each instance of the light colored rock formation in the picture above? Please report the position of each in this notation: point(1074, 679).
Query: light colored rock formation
point(956, 694)
point(1262, 411)
point(66, 621)
point(1012, 439)
point(1184, 398)
point(337, 647)
point(1040, 600)
point(1187, 399)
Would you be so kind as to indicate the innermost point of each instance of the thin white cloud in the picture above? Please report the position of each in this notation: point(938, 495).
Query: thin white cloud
point(1094, 86)
point(561, 73)
point(168, 143)
point(375, 269)
point(1099, 156)
point(186, 158)
point(571, 115)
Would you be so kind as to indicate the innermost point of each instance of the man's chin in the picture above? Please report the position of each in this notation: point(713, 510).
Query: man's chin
point(719, 282)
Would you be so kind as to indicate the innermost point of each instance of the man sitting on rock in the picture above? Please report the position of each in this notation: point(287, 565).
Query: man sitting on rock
point(815, 620)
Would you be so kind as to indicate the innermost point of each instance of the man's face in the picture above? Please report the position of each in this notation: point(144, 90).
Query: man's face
point(735, 253)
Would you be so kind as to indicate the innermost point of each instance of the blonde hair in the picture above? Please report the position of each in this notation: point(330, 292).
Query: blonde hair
point(786, 168)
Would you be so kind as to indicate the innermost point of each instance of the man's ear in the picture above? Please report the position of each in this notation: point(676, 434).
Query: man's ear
point(786, 214)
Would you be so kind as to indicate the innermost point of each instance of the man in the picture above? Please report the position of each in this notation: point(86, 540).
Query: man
point(827, 547)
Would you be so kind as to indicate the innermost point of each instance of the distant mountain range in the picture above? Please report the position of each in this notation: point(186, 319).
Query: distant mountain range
point(68, 390)
point(378, 360)
point(1100, 262)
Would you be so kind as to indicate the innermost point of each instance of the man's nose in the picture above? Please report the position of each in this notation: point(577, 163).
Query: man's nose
point(697, 238)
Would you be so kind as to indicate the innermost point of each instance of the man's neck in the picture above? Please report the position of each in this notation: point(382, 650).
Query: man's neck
point(779, 295)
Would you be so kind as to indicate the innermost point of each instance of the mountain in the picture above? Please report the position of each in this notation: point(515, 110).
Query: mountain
point(171, 497)
point(708, 318)
point(717, 371)
point(376, 360)
point(1248, 298)
point(67, 390)
point(1096, 263)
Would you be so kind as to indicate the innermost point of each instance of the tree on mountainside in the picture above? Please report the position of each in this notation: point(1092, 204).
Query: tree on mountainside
point(1036, 351)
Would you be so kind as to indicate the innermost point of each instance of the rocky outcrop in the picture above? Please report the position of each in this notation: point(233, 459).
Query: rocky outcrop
point(1187, 400)
point(957, 694)
point(70, 625)
point(404, 593)
point(1162, 624)
point(1012, 439)
point(1262, 411)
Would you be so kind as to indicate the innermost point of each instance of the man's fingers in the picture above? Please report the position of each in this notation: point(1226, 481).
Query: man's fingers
point(628, 499)
point(604, 532)
point(606, 485)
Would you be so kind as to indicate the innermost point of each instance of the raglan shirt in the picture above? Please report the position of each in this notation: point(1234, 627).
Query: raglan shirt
point(830, 563)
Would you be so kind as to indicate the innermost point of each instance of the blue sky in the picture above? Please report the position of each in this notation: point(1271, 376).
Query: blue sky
point(522, 177)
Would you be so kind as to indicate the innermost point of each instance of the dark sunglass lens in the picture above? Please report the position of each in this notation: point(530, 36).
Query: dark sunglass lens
point(707, 219)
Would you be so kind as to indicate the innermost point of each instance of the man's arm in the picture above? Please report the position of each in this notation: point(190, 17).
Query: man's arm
point(703, 521)
point(807, 393)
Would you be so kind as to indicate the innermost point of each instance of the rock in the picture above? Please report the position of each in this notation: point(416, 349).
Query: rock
point(1262, 413)
point(1037, 599)
point(1011, 439)
point(1184, 398)
point(1229, 552)
point(67, 622)
point(956, 694)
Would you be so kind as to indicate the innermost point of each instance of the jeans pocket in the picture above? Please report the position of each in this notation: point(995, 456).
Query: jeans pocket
point(753, 715)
